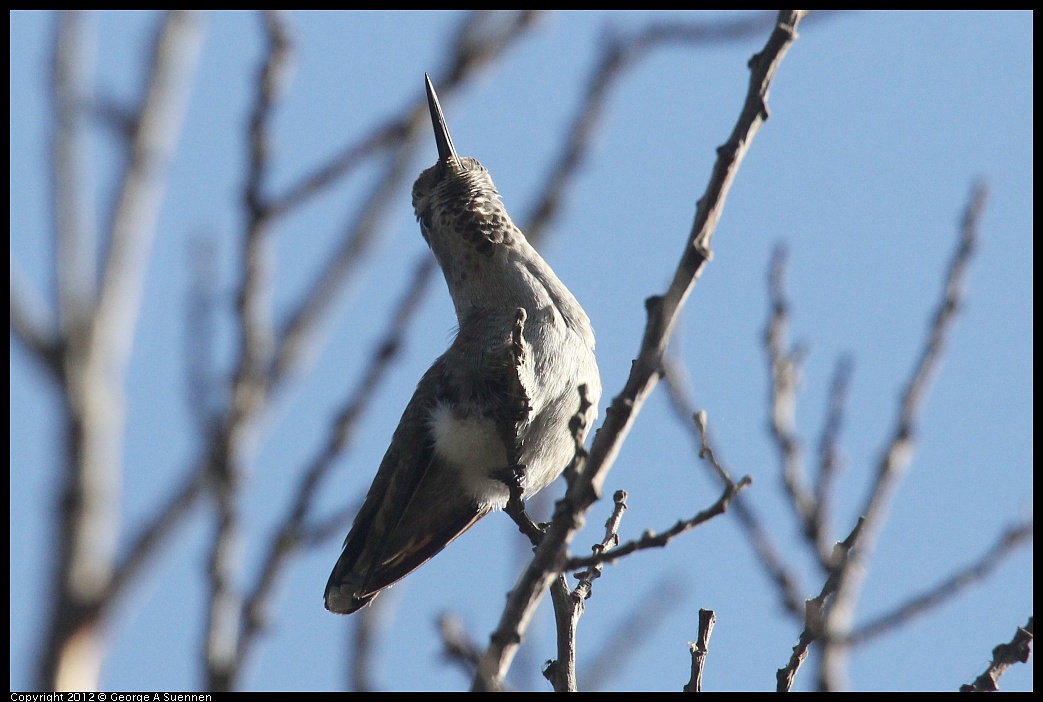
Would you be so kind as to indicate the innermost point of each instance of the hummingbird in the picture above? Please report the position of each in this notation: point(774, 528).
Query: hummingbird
point(498, 402)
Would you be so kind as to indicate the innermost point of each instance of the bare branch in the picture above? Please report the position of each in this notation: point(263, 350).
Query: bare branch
point(363, 645)
point(810, 502)
point(814, 612)
point(663, 313)
point(569, 607)
point(157, 129)
point(381, 139)
point(171, 511)
point(706, 451)
point(622, 53)
point(204, 404)
point(896, 455)
point(699, 649)
point(1004, 656)
point(475, 44)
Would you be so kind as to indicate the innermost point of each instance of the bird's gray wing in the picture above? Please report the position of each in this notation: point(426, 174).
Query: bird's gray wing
point(393, 533)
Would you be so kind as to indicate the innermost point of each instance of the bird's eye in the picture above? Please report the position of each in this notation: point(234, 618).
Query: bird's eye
point(425, 223)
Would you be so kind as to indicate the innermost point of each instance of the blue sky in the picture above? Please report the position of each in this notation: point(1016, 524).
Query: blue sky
point(879, 124)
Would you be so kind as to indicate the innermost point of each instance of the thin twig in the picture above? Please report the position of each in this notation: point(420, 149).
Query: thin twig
point(785, 580)
point(706, 452)
point(651, 539)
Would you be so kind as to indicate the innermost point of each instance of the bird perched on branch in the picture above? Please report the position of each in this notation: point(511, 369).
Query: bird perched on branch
point(495, 408)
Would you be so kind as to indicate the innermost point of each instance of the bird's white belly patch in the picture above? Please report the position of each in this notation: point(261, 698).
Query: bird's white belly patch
point(471, 446)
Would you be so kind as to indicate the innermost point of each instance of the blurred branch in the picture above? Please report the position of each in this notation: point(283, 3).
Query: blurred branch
point(75, 219)
point(97, 340)
point(157, 129)
point(481, 39)
point(170, 511)
point(204, 304)
point(829, 462)
point(620, 54)
point(363, 645)
point(168, 515)
point(293, 531)
point(251, 382)
point(663, 313)
point(650, 608)
point(1004, 656)
point(457, 645)
point(1009, 541)
point(785, 373)
point(32, 322)
point(897, 454)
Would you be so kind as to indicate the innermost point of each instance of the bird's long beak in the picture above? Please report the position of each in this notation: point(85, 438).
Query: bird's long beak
point(446, 151)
